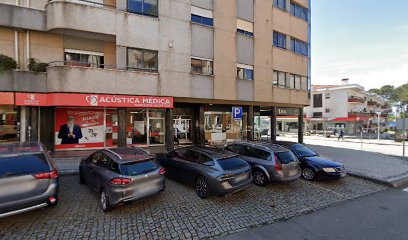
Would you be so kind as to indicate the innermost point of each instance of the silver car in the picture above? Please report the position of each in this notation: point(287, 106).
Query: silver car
point(122, 175)
point(28, 178)
point(269, 162)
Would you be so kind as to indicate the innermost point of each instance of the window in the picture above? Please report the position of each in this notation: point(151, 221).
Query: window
point(327, 110)
point(260, 154)
point(201, 66)
point(204, 160)
point(279, 40)
point(142, 59)
point(245, 27)
point(233, 148)
point(143, 7)
point(298, 11)
point(245, 72)
point(138, 167)
point(299, 46)
point(327, 95)
point(286, 157)
point(279, 79)
point(23, 165)
point(83, 58)
point(297, 82)
point(317, 100)
point(304, 83)
point(280, 4)
point(317, 114)
point(202, 16)
point(232, 163)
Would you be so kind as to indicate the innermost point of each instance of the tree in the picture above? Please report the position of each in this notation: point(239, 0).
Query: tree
point(375, 90)
point(401, 96)
point(388, 92)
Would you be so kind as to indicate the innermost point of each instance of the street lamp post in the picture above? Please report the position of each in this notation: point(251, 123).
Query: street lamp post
point(378, 124)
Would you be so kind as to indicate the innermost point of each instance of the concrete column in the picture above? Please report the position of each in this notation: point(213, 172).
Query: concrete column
point(122, 127)
point(300, 126)
point(250, 123)
point(201, 124)
point(194, 125)
point(33, 125)
point(121, 57)
point(169, 130)
point(23, 123)
point(273, 124)
point(47, 127)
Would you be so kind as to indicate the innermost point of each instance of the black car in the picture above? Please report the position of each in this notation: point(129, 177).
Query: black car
point(314, 166)
point(209, 170)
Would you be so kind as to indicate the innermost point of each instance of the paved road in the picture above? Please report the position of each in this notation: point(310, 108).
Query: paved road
point(178, 213)
point(379, 216)
point(370, 164)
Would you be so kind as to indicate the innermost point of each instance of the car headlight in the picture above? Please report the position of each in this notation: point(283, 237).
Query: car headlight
point(329, 170)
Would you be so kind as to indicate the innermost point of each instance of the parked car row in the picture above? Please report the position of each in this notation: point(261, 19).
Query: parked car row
point(29, 179)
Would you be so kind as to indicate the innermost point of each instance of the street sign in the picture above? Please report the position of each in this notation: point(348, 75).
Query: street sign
point(237, 112)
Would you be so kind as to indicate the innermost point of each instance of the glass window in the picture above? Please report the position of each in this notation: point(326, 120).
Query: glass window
point(285, 157)
point(260, 154)
point(247, 33)
point(143, 7)
point(245, 73)
point(298, 46)
point(280, 4)
point(142, 59)
point(304, 83)
point(199, 66)
point(302, 151)
point(327, 95)
point(282, 79)
point(233, 148)
point(202, 20)
point(292, 81)
point(136, 126)
point(137, 168)
point(297, 82)
point(317, 100)
point(8, 124)
point(23, 165)
point(232, 163)
point(83, 60)
point(204, 160)
point(279, 39)
point(298, 11)
point(275, 78)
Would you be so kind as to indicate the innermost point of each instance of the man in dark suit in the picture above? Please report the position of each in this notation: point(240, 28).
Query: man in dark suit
point(70, 133)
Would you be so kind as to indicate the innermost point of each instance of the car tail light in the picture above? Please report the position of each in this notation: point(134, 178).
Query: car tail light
point(162, 171)
point(121, 181)
point(49, 175)
point(278, 166)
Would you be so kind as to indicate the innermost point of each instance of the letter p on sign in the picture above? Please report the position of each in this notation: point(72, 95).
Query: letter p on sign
point(237, 112)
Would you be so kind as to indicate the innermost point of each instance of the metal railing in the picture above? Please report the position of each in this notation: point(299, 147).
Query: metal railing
point(87, 2)
point(81, 64)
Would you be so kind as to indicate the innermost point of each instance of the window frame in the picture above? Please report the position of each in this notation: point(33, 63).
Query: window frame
point(295, 44)
point(295, 8)
point(202, 66)
point(276, 4)
point(201, 22)
point(143, 63)
point(276, 36)
point(248, 68)
point(143, 13)
point(315, 102)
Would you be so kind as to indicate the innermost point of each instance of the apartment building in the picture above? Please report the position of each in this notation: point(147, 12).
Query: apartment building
point(151, 72)
point(346, 106)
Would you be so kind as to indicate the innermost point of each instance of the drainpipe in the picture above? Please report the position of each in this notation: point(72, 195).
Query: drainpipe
point(16, 45)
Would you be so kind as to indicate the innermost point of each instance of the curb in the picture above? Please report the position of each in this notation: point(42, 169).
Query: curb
point(394, 183)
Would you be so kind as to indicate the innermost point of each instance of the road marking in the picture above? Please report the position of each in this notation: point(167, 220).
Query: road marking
point(405, 190)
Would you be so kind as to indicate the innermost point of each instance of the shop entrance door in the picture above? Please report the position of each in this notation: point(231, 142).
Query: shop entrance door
point(182, 130)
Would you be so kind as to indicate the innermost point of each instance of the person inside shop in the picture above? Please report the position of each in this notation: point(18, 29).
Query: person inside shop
point(70, 133)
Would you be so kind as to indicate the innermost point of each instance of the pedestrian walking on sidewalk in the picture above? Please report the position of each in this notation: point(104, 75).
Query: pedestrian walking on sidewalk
point(341, 135)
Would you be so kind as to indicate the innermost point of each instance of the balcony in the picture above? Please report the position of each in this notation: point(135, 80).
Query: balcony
point(355, 99)
point(23, 81)
point(63, 78)
point(372, 103)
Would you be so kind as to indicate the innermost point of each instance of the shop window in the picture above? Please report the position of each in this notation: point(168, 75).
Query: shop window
point(221, 127)
point(142, 59)
point(83, 58)
point(245, 72)
point(145, 127)
point(8, 124)
point(143, 7)
point(201, 66)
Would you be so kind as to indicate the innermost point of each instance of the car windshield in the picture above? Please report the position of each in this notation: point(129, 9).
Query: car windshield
point(23, 165)
point(303, 151)
point(137, 168)
point(231, 163)
point(285, 157)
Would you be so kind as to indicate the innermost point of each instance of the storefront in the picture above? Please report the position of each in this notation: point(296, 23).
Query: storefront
point(9, 118)
point(92, 121)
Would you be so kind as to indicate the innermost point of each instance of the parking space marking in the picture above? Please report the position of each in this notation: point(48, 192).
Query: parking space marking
point(329, 190)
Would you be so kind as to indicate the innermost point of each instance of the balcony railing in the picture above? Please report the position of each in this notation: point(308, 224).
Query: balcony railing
point(89, 3)
point(372, 103)
point(354, 99)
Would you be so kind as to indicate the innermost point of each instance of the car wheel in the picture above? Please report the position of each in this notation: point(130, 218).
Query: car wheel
point(202, 187)
point(104, 201)
point(308, 174)
point(81, 178)
point(259, 177)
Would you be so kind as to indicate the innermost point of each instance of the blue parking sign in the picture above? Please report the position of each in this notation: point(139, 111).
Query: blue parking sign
point(237, 112)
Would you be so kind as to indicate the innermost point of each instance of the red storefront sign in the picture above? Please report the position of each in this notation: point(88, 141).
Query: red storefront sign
point(31, 99)
point(92, 100)
point(6, 98)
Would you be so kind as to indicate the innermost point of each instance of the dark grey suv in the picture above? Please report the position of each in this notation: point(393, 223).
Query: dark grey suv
point(209, 170)
point(270, 162)
point(28, 178)
point(122, 175)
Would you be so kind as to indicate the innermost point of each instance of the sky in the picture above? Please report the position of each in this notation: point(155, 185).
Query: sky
point(363, 40)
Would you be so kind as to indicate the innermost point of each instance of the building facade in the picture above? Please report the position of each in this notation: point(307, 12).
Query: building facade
point(347, 106)
point(151, 72)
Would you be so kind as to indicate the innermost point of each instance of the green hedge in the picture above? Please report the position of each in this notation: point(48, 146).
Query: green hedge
point(7, 63)
point(37, 66)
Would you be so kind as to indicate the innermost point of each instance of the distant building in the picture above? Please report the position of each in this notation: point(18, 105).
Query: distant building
point(346, 106)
